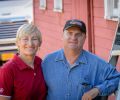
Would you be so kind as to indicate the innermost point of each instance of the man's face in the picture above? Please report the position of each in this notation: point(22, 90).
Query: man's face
point(73, 38)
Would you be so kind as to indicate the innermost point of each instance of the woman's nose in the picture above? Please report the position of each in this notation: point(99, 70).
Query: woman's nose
point(30, 42)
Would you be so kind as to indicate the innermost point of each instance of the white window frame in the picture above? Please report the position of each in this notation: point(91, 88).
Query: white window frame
point(42, 4)
point(110, 12)
point(58, 5)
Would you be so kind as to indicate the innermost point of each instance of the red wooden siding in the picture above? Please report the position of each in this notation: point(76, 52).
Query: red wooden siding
point(104, 30)
point(51, 23)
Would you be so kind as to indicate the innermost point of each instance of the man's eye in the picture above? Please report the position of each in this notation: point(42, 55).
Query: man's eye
point(35, 39)
point(69, 34)
point(79, 35)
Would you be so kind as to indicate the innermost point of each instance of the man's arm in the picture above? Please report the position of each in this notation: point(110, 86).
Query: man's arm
point(118, 93)
point(109, 79)
point(110, 82)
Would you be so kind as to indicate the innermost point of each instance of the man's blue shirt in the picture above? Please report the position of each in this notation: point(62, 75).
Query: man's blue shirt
point(70, 83)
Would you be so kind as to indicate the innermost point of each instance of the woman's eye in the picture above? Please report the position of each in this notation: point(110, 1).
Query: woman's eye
point(25, 39)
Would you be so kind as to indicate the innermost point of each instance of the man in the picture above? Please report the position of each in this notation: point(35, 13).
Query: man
point(75, 74)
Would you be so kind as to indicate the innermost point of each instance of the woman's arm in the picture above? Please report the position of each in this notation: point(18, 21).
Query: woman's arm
point(4, 98)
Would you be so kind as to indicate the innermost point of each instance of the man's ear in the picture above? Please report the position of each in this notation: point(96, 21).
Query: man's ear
point(62, 36)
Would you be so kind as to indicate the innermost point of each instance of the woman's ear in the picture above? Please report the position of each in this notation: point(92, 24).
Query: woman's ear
point(17, 44)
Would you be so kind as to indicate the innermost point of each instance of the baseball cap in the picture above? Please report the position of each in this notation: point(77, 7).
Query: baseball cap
point(75, 22)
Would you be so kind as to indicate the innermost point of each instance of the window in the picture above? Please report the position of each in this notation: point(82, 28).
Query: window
point(112, 9)
point(42, 4)
point(58, 5)
point(115, 7)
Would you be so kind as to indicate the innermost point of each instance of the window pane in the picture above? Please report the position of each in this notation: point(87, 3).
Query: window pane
point(116, 3)
point(58, 5)
point(42, 4)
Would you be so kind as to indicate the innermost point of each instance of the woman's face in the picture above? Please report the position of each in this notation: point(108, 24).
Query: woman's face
point(28, 44)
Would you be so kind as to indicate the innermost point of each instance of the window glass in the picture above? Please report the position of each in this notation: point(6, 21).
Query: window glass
point(42, 4)
point(116, 4)
point(112, 9)
point(115, 8)
point(58, 5)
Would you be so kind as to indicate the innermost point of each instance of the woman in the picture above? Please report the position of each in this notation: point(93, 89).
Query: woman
point(21, 78)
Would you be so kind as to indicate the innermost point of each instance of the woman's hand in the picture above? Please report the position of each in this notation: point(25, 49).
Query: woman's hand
point(4, 98)
point(90, 94)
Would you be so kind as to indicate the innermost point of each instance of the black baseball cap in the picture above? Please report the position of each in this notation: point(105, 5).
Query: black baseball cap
point(75, 22)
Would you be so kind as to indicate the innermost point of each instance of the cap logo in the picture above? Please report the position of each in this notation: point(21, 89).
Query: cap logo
point(75, 22)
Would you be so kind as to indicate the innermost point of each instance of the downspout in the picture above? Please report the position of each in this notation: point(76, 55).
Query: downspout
point(91, 36)
point(33, 11)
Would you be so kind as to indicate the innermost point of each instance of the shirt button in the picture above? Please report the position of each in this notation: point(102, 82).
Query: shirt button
point(68, 94)
point(34, 74)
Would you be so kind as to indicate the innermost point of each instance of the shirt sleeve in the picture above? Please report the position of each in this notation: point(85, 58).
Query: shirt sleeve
point(43, 87)
point(118, 93)
point(6, 80)
point(110, 80)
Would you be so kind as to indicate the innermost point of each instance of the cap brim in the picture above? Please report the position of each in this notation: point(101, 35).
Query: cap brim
point(72, 26)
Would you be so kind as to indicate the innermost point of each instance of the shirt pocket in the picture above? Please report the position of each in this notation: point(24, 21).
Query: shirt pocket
point(84, 85)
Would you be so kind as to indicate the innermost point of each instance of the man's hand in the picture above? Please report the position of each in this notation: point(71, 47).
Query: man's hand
point(90, 94)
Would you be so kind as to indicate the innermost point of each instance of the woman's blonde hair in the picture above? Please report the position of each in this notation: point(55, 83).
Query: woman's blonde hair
point(27, 29)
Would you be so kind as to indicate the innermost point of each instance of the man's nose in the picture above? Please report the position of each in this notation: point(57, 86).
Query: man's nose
point(73, 37)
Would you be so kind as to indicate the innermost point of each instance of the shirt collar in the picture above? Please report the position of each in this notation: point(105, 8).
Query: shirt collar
point(81, 59)
point(21, 65)
point(60, 56)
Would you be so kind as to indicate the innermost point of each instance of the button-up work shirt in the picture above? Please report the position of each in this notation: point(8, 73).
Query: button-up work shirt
point(70, 83)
